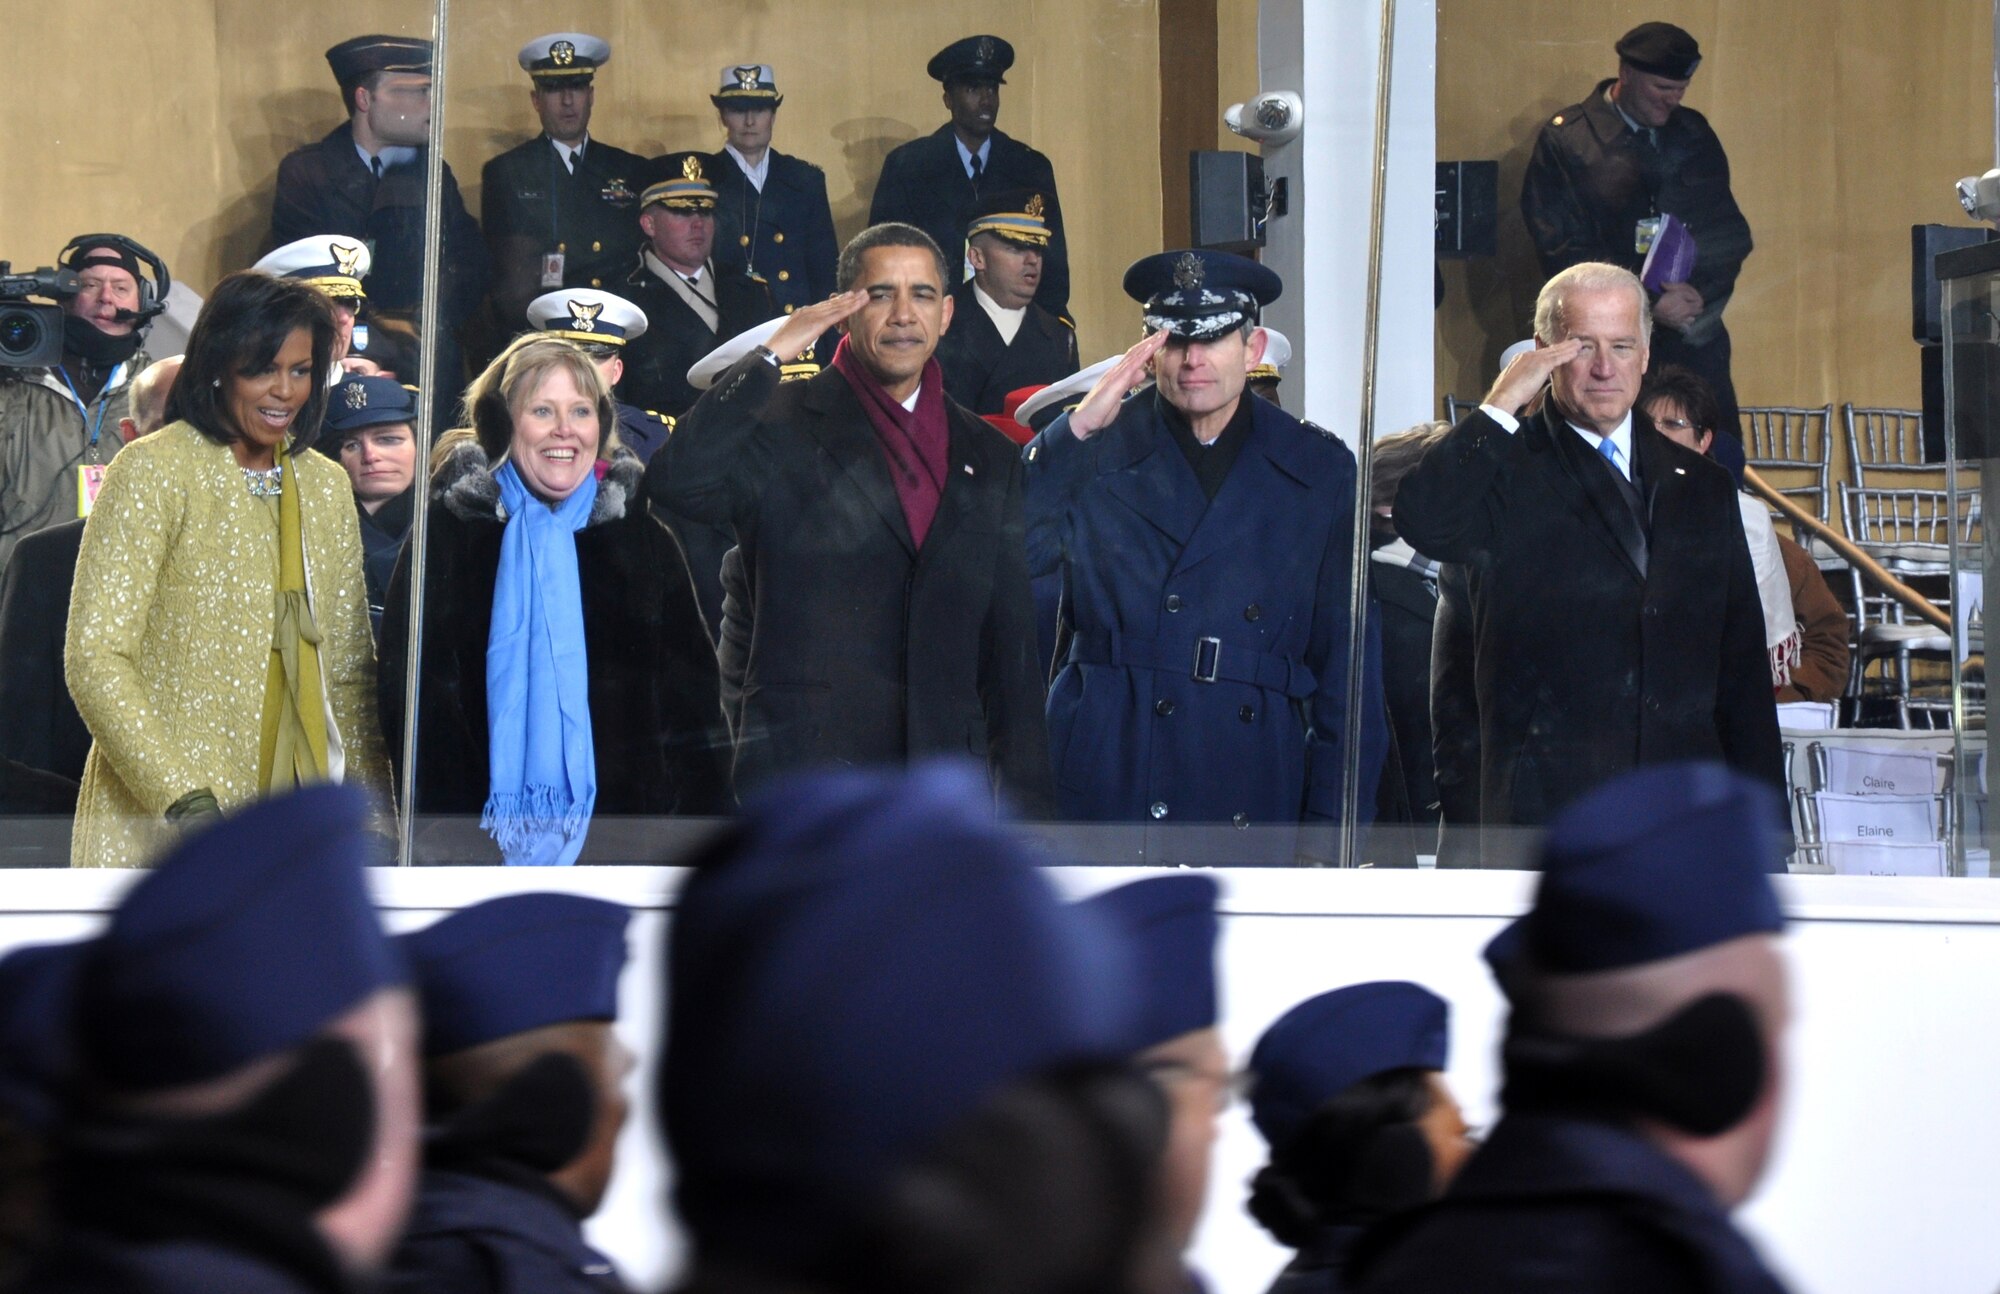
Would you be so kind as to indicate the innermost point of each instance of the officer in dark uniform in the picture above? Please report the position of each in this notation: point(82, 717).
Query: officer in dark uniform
point(999, 339)
point(1648, 1002)
point(242, 1110)
point(1606, 170)
point(933, 182)
point(1171, 926)
point(366, 180)
point(371, 429)
point(1347, 1090)
point(772, 217)
point(602, 323)
point(560, 210)
point(522, 1075)
point(1205, 539)
point(689, 302)
point(894, 1057)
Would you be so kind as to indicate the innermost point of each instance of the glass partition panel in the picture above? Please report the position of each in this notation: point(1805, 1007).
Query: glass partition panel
point(196, 528)
point(1158, 677)
point(1613, 619)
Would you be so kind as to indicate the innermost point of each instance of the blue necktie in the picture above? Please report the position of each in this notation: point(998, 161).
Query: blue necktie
point(1609, 449)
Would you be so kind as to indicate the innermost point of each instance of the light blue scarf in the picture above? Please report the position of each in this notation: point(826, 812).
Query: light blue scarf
point(544, 773)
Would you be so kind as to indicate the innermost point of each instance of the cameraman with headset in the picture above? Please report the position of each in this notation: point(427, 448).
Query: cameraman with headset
point(54, 422)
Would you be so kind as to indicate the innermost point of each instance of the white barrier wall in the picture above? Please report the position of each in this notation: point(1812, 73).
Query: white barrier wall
point(1883, 1176)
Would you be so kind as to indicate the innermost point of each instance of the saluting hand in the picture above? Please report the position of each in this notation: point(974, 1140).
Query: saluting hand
point(1101, 405)
point(803, 326)
point(1528, 373)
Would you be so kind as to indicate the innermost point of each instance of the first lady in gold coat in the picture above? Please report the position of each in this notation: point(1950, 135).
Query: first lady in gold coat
point(219, 646)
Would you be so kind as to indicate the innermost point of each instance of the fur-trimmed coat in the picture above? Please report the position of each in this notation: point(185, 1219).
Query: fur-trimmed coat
point(655, 701)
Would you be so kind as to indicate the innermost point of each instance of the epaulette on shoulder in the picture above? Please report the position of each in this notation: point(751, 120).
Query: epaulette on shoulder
point(1319, 430)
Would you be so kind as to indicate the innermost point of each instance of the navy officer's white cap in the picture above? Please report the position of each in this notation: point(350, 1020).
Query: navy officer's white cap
point(1277, 354)
point(589, 315)
point(564, 54)
point(332, 263)
point(1070, 390)
point(719, 361)
point(747, 85)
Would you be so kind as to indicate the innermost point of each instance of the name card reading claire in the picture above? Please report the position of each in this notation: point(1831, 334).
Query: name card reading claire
point(1853, 770)
point(1877, 819)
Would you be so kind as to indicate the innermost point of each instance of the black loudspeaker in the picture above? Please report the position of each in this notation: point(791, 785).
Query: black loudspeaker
point(1227, 201)
point(1977, 383)
point(1468, 209)
point(1926, 301)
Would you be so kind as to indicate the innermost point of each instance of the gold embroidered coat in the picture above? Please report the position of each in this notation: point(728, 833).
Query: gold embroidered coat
point(169, 636)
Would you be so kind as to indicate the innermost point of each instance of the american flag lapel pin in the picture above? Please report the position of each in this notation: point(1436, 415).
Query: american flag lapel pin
point(968, 470)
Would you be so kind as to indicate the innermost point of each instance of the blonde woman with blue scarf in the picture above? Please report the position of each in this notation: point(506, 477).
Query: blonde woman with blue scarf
point(566, 669)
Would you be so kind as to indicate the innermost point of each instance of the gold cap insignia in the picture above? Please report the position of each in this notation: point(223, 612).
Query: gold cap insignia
point(691, 168)
point(1034, 207)
point(346, 260)
point(357, 396)
point(562, 53)
point(746, 77)
point(584, 315)
point(986, 50)
point(1188, 272)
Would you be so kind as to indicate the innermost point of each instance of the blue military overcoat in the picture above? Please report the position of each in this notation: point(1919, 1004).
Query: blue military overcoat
point(1206, 677)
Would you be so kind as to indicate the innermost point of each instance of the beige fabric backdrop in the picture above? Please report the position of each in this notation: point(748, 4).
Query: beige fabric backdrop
point(1846, 121)
point(176, 135)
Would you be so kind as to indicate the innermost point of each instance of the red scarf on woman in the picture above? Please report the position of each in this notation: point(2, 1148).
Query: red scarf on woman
point(914, 441)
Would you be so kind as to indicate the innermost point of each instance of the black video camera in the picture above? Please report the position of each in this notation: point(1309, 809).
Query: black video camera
point(31, 335)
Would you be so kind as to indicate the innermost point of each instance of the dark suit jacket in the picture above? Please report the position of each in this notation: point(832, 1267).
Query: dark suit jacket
point(531, 205)
point(980, 369)
point(924, 184)
point(324, 188)
point(1598, 645)
point(784, 234)
point(39, 725)
point(864, 649)
point(656, 363)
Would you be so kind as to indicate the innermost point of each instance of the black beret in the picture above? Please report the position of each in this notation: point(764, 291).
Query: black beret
point(1662, 49)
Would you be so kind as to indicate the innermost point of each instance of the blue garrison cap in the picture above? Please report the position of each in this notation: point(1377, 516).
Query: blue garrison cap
point(1170, 925)
point(248, 939)
point(517, 963)
point(1327, 1044)
point(1667, 860)
point(358, 402)
point(1200, 294)
point(864, 963)
point(35, 987)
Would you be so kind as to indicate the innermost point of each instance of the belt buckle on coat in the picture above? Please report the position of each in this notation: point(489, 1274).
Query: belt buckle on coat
point(1212, 648)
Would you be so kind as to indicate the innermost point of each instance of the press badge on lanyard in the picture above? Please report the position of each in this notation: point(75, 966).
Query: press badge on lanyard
point(1645, 233)
point(552, 269)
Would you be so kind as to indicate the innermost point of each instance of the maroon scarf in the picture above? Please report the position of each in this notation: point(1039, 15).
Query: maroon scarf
point(915, 442)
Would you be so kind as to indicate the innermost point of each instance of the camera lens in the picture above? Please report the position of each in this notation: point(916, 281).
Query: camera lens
point(20, 332)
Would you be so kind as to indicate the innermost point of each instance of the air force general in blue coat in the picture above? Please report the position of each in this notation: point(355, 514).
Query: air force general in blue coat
point(1206, 680)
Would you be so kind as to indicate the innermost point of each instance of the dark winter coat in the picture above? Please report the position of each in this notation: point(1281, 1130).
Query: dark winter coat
point(863, 648)
point(655, 702)
point(1601, 640)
